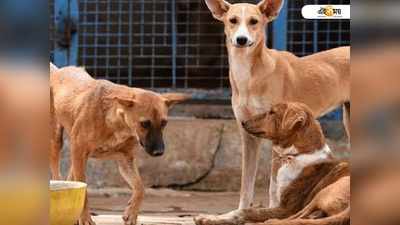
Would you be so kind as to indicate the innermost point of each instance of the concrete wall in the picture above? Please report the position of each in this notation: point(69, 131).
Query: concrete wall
point(201, 154)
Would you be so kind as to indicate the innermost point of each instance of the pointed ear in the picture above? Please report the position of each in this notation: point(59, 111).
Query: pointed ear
point(270, 8)
point(125, 102)
point(218, 8)
point(174, 98)
point(293, 120)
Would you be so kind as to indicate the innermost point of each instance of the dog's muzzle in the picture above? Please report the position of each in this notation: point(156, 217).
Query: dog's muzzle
point(242, 42)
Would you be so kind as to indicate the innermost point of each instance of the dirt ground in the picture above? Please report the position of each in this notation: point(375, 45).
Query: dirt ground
point(164, 206)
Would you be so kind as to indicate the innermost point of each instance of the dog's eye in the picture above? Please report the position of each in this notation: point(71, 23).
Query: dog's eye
point(233, 20)
point(164, 123)
point(253, 21)
point(145, 124)
point(271, 112)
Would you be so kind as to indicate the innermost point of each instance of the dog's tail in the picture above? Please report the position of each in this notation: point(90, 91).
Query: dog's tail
point(53, 68)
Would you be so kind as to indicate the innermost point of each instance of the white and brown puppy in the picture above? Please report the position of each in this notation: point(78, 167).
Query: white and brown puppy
point(312, 187)
point(108, 121)
point(260, 77)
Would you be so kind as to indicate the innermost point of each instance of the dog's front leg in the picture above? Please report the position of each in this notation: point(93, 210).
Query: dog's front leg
point(129, 171)
point(235, 217)
point(250, 156)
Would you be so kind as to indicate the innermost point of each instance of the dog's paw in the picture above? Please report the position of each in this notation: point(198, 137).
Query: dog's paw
point(129, 219)
point(232, 218)
point(274, 222)
point(86, 221)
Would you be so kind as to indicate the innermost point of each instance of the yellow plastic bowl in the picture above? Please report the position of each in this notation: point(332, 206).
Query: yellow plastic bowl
point(67, 199)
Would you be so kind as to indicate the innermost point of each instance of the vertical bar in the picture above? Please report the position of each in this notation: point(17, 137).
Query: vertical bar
point(130, 60)
point(96, 28)
point(119, 40)
point(66, 13)
point(187, 43)
point(108, 34)
point(74, 17)
point(60, 13)
point(141, 27)
point(84, 24)
point(315, 34)
point(153, 43)
point(173, 42)
point(280, 28)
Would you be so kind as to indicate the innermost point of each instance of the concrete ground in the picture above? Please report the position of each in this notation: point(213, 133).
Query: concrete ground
point(165, 206)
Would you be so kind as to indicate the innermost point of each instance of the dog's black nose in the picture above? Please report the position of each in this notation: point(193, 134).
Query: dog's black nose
point(158, 153)
point(243, 123)
point(241, 40)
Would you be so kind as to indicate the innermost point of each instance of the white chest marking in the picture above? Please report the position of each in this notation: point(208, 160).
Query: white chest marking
point(241, 74)
point(288, 172)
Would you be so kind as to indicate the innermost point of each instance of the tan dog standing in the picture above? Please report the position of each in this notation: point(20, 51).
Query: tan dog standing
point(106, 120)
point(312, 187)
point(260, 77)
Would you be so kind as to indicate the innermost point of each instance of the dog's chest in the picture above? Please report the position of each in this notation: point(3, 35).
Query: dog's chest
point(290, 171)
point(246, 103)
point(113, 145)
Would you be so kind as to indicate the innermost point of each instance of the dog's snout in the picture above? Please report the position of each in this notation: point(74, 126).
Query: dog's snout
point(157, 149)
point(241, 40)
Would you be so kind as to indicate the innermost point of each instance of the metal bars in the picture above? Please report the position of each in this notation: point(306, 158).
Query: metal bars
point(309, 36)
point(177, 43)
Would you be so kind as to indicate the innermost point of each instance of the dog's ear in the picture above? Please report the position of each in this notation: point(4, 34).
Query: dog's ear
point(270, 8)
point(218, 8)
point(174, 98)
point(125, 101)
point(293, 119)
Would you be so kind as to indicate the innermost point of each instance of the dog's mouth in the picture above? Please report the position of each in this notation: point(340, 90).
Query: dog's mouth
point(257, 133)
point(244, 46)
point(141, 143)
point(249, 128)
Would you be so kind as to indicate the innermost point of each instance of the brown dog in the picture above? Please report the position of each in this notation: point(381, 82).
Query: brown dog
point(312, 187)
point(261, 77)
point(106, 120)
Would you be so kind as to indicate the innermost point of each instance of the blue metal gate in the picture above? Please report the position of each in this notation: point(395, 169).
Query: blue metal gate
point(174, 44)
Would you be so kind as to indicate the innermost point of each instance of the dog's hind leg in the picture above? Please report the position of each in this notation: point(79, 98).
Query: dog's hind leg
point(56, 143)
point(56, 140)
point(78, 168)
point(342, 218)
point(305, 212)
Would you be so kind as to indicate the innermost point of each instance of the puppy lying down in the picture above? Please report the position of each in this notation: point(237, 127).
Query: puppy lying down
point(309, 185)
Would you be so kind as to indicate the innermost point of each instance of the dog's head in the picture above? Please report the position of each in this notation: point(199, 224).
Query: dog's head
point(145, 113)
point(281, 122)
point(245, 23)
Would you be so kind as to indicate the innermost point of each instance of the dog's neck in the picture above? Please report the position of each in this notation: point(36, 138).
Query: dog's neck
point(245, 66)
point(243, 61)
